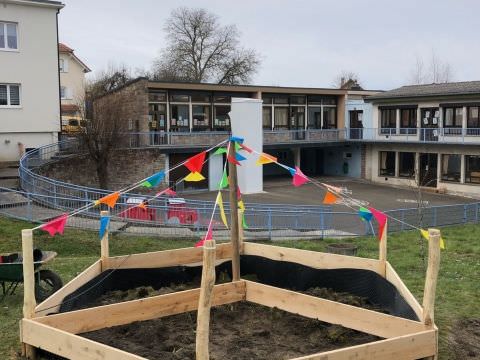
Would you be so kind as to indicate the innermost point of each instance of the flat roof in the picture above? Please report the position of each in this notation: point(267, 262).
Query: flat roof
point(47, 3)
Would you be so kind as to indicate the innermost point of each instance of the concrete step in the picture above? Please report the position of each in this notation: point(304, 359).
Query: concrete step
point(8, 173)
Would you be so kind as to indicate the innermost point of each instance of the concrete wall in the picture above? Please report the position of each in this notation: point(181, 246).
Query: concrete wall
point(359, 104)
point(334, 160)
point(35, 67)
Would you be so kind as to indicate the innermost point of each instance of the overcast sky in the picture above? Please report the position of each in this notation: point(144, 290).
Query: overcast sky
point(302, 43)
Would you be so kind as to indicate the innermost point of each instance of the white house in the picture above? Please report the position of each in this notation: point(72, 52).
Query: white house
point(29, 77)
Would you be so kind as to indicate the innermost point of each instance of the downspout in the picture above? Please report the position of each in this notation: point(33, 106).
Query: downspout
point(58, 76)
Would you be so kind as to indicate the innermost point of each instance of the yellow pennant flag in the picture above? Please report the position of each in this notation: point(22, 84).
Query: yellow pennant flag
point(241, 205)
point(219, 201)
point(427, 237)
point(265, 159)
point(194, 176)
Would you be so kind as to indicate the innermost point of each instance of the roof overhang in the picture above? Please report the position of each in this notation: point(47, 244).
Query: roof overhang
point(38, 3)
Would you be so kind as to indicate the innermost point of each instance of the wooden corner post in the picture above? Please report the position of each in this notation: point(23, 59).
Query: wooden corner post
point(29, 302)
point(241, 236)
point(104, 246)
point(431, 277)
point(382, 250)
point(205, 300)
point(233, 186)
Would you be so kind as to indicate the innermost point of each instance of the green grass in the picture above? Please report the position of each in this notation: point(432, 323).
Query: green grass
point(458, 289)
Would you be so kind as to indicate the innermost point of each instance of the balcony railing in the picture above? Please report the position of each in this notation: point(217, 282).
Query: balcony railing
point(424, 135)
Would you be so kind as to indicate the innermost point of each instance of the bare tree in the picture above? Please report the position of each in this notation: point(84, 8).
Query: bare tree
point(346, 79)
point(109, 79)
point(200, 49)
point(436, 72)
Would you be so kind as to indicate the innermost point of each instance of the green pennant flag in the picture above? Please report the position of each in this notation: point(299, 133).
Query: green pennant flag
point(237, 146)
point(244, 222)
point(220, 150)
point(224, 181)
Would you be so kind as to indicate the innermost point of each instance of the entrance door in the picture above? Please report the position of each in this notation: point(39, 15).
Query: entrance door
point(356, 124)
point(428, 170)
point(430, 117)
point(157, 123)
point(297, 121)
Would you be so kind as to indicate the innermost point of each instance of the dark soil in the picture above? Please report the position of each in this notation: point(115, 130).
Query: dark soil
point(237, 331)
point(464, 340)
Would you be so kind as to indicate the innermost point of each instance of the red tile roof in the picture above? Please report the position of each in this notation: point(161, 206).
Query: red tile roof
point(64, 48)
point(69, 108)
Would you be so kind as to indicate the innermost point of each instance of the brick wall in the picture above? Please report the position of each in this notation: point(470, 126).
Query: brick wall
point(125, 168)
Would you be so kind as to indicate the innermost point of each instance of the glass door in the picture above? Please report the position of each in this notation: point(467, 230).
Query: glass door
point(356, 124)
point(297, 121)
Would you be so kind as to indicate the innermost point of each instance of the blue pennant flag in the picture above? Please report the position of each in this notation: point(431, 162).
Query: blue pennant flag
point(240, 157)
point(292, 171)
point(237, 139)
point(154, 180)
point(104, 221)
point(365, 214)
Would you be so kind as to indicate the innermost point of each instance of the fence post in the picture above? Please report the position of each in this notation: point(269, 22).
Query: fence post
point(434, 216)
point(270, 223)
point(431, 277)
point(29, 208)
point(322, 223)
point(403, 219)
point(104, 246)
point(464, 214)
point(382, 250)
point(476, 212)
point(29, 302)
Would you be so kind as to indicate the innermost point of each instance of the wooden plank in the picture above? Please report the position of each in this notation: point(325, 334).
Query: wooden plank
point(317, 260)
point(234, 222)
point(166, 258)
point(68, 345)
point(52, 304)
point(382, 250)
point(406, 347)
point(395, 280)
point(29, 301)
point(431, 277)
point(352, 317)
point(85, 320)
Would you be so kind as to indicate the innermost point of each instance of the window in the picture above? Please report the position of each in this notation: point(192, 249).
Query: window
point(157, 114)
point(63, 92)
point(267, 117)
point(472, 169)
point(179, 98)
point(281, 117)
point(297, 100)
point(329, 118)
point(221, 119)
point(180, 116)
point(8, 36)
point(157, 95)
point(63, 65)
point(387, 163)
point(451, 165)
point(473, 120)
point(388, 121)
point(280, 99)
point(9, 95)
point(452, 119)
point(406, 164)
point(314, 117)
point(200, 97)
point(408, 121)
point(201, 117)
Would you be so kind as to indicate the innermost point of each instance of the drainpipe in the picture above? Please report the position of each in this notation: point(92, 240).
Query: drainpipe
point(58, 76)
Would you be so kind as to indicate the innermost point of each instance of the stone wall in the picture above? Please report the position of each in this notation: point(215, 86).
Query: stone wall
point(125, 168)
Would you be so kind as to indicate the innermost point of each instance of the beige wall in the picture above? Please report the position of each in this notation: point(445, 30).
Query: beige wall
point(35, 67)
point(73, 79)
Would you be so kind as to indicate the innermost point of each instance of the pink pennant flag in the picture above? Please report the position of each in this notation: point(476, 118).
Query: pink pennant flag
point(299, 178)
point(167, 191)
point(208, 236)
point(56, 225)
point(381, 219)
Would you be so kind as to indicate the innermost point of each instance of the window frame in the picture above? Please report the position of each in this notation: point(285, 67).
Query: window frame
point(454, 110)
point(179, 128)
point(269, 108)
point(468, 172)
point(383, 171)
point(208, 118)
point(384, 129)
point(411, 127)
point(325, 119)
point(472, 130)
point(412, 175)
point(445, 176)
point(4, 25)
point(227, 126)
point(9, 105)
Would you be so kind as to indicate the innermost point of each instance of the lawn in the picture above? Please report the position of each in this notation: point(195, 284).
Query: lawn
point(458, 289)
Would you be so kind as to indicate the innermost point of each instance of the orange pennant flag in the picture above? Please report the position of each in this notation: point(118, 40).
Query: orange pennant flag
point(265, 159)
point(109, 200)
point(330, 198)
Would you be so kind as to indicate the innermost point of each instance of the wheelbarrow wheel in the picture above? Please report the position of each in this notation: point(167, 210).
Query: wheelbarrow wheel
point(46, 283)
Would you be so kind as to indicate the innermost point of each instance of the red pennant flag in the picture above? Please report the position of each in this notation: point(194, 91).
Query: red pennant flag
point(239, 194)
point(299, 178)
point(232, 160)
point(381, 219)
point(56, 225)
point(167, 191)
point(208, 236)
point(195, 163)
point(246, 148)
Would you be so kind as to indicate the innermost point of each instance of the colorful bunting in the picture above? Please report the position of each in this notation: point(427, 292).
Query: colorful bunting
point(330, 198)
point(236, 139)
point(333, 188)
point(56, 225)
point(143, 205)
point(104, 222)
point(239, 194)
point(246, 148)
point(220, 151)
point(426, 236)
point(219, 202)
point(224, 181)
point(381, 219)
point(208, 236)
point(167, 191)
point(232, 160)
point(237, 146)
point(299, 178)
point(240, 157)
point(291, 170)
point(241, 205)
point(244, 222)
point(365, 214)
point(154, 180)
point(265, 159)
point(195, 163)
point(194, 176)
point(109, 200)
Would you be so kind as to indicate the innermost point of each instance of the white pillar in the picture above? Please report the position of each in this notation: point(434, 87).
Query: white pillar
point(246, 121)
point(297, 156)
point(397, 121)
point(215, 171)
point(462, 168)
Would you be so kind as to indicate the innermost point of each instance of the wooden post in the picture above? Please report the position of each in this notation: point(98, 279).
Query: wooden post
point(431, 277)
point(104, 246)
point(382, 250)
point(29, 302)
point(234, 233)
point(240, 231)
point(205, 300)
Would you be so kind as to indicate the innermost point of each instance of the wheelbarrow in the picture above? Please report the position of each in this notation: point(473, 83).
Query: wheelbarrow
point(11, 274)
